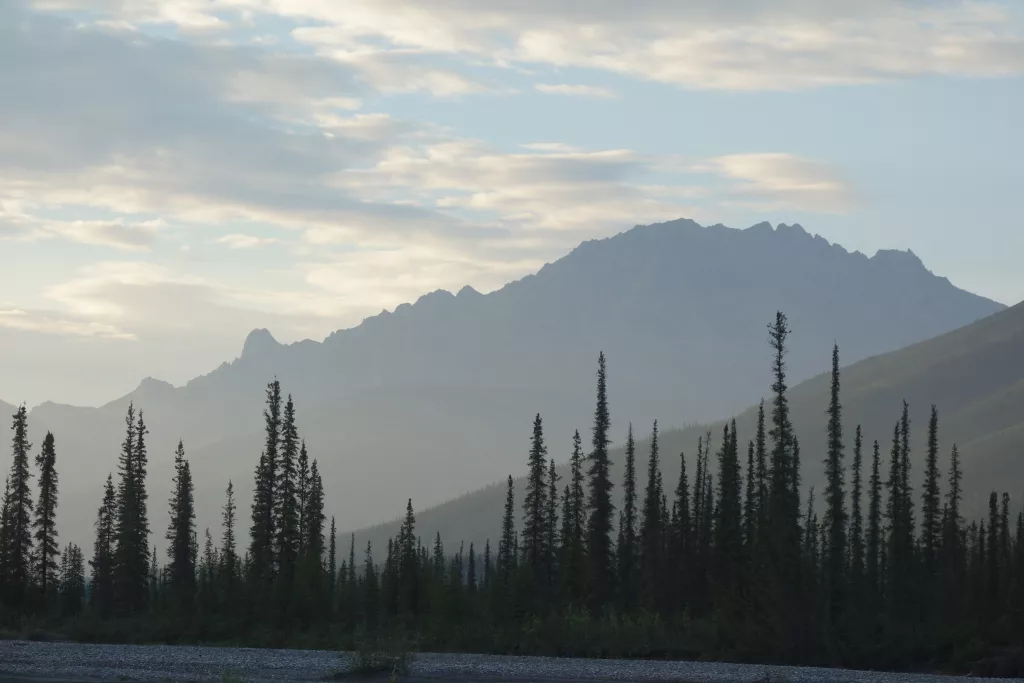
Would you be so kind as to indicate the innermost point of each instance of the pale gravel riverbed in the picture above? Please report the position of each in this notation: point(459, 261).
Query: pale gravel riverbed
point(84, 662)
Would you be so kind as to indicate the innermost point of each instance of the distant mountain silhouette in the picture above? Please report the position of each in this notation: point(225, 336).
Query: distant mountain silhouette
point(435, 398)
point(975, 376)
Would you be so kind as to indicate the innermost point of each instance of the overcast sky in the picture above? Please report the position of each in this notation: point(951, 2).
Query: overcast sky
point(174, 173)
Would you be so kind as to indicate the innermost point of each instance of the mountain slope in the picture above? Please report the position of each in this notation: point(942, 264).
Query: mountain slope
point(429, 400)
point(975, 376)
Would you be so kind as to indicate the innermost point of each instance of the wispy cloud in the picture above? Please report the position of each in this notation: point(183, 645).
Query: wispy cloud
point(239, 241)
point(778, 180)
point(575, 90)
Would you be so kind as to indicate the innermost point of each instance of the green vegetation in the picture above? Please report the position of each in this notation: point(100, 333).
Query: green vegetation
point(735, 566)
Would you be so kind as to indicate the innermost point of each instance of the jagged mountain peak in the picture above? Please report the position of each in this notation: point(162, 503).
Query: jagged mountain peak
point(259, 343)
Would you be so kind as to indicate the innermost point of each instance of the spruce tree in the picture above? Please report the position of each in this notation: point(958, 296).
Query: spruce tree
point(761, 464)
point(286, 511)
point(875, 543)
point(229, 558)
point(101, 593)
point(71, 580)
point(47, 550)
point(181, 569)
point(627, 546)
point(856, 524)
point(551, 543)
point(930, 507)
point(506, 552)
point(835, 501)
point(750, 500)
point(681, 536)
point(263, 530)
point(131, 553)
point(599, 504)
point(17, 522)
point(302, 492)
point(332, 564)
point(728, 529)
point(574, 526)
point(535, 514)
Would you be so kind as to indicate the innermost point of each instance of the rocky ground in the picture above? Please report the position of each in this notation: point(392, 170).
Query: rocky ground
point(67, 662)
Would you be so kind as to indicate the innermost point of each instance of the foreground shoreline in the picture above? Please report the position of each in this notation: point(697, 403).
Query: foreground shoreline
point(74, 662)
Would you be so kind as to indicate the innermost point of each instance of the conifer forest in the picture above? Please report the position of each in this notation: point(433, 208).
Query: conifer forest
point(737, 560)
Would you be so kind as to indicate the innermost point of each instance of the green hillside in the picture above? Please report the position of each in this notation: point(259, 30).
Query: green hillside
point(975, 375)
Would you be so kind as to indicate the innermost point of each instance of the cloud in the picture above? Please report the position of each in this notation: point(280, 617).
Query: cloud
point(238, 241)
point(575, 90)
point(784, 181)
point(741, 45)
point(50, 323)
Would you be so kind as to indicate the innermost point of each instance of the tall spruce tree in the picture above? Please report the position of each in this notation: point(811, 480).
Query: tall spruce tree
point(857, 523)
point(599, 528)
point(728, 551)
point(750, 500)
point(931, 512)
point(262, 531)
point(875, 542)
point(535, 515)
point(181, 568)
point(679, 580)
point(551, 541)
point(228, 553)
point(286, 510)
point(627, 545)
point(652, 524)
point(132, 553)
point(47, 550)
point(302, 491)
point(507, 543)
point(101, 594)
point(835, 501)
point(17, 521)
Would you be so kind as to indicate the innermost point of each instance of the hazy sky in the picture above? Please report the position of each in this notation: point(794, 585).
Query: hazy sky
point(174, 173)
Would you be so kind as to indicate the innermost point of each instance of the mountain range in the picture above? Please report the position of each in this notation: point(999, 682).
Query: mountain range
point(436, 398)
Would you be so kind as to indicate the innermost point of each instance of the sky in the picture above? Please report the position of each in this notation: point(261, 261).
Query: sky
point(175, 173)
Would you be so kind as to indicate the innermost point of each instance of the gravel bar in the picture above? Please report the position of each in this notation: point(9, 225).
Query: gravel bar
point(74, 661)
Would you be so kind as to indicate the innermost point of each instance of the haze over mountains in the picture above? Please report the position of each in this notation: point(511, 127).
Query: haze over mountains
point(975, 376)
point(436, 398)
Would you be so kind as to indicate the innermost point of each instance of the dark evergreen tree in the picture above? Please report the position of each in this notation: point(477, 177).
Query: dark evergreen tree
point(599, 528)
point(506, 546)
point(627, 546)
point(679, 579)
point(750, 500)
point(574, 528)
point(71, 580)
point(857, 525)
point(302, 492)
point(286, 503)
point(228, 555)
point(181, 569)
point(551, 542)
point(535, 513)
point(835, 502)
point(728, 529)
point(17, 520)
point(931, 533)
point(101, 593)
point(131, 553)
point(875, 542)
point(47, 550)
point(263, 530)
point(332, 564)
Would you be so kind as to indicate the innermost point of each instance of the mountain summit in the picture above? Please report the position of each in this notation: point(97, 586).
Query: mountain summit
point(436, 397)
